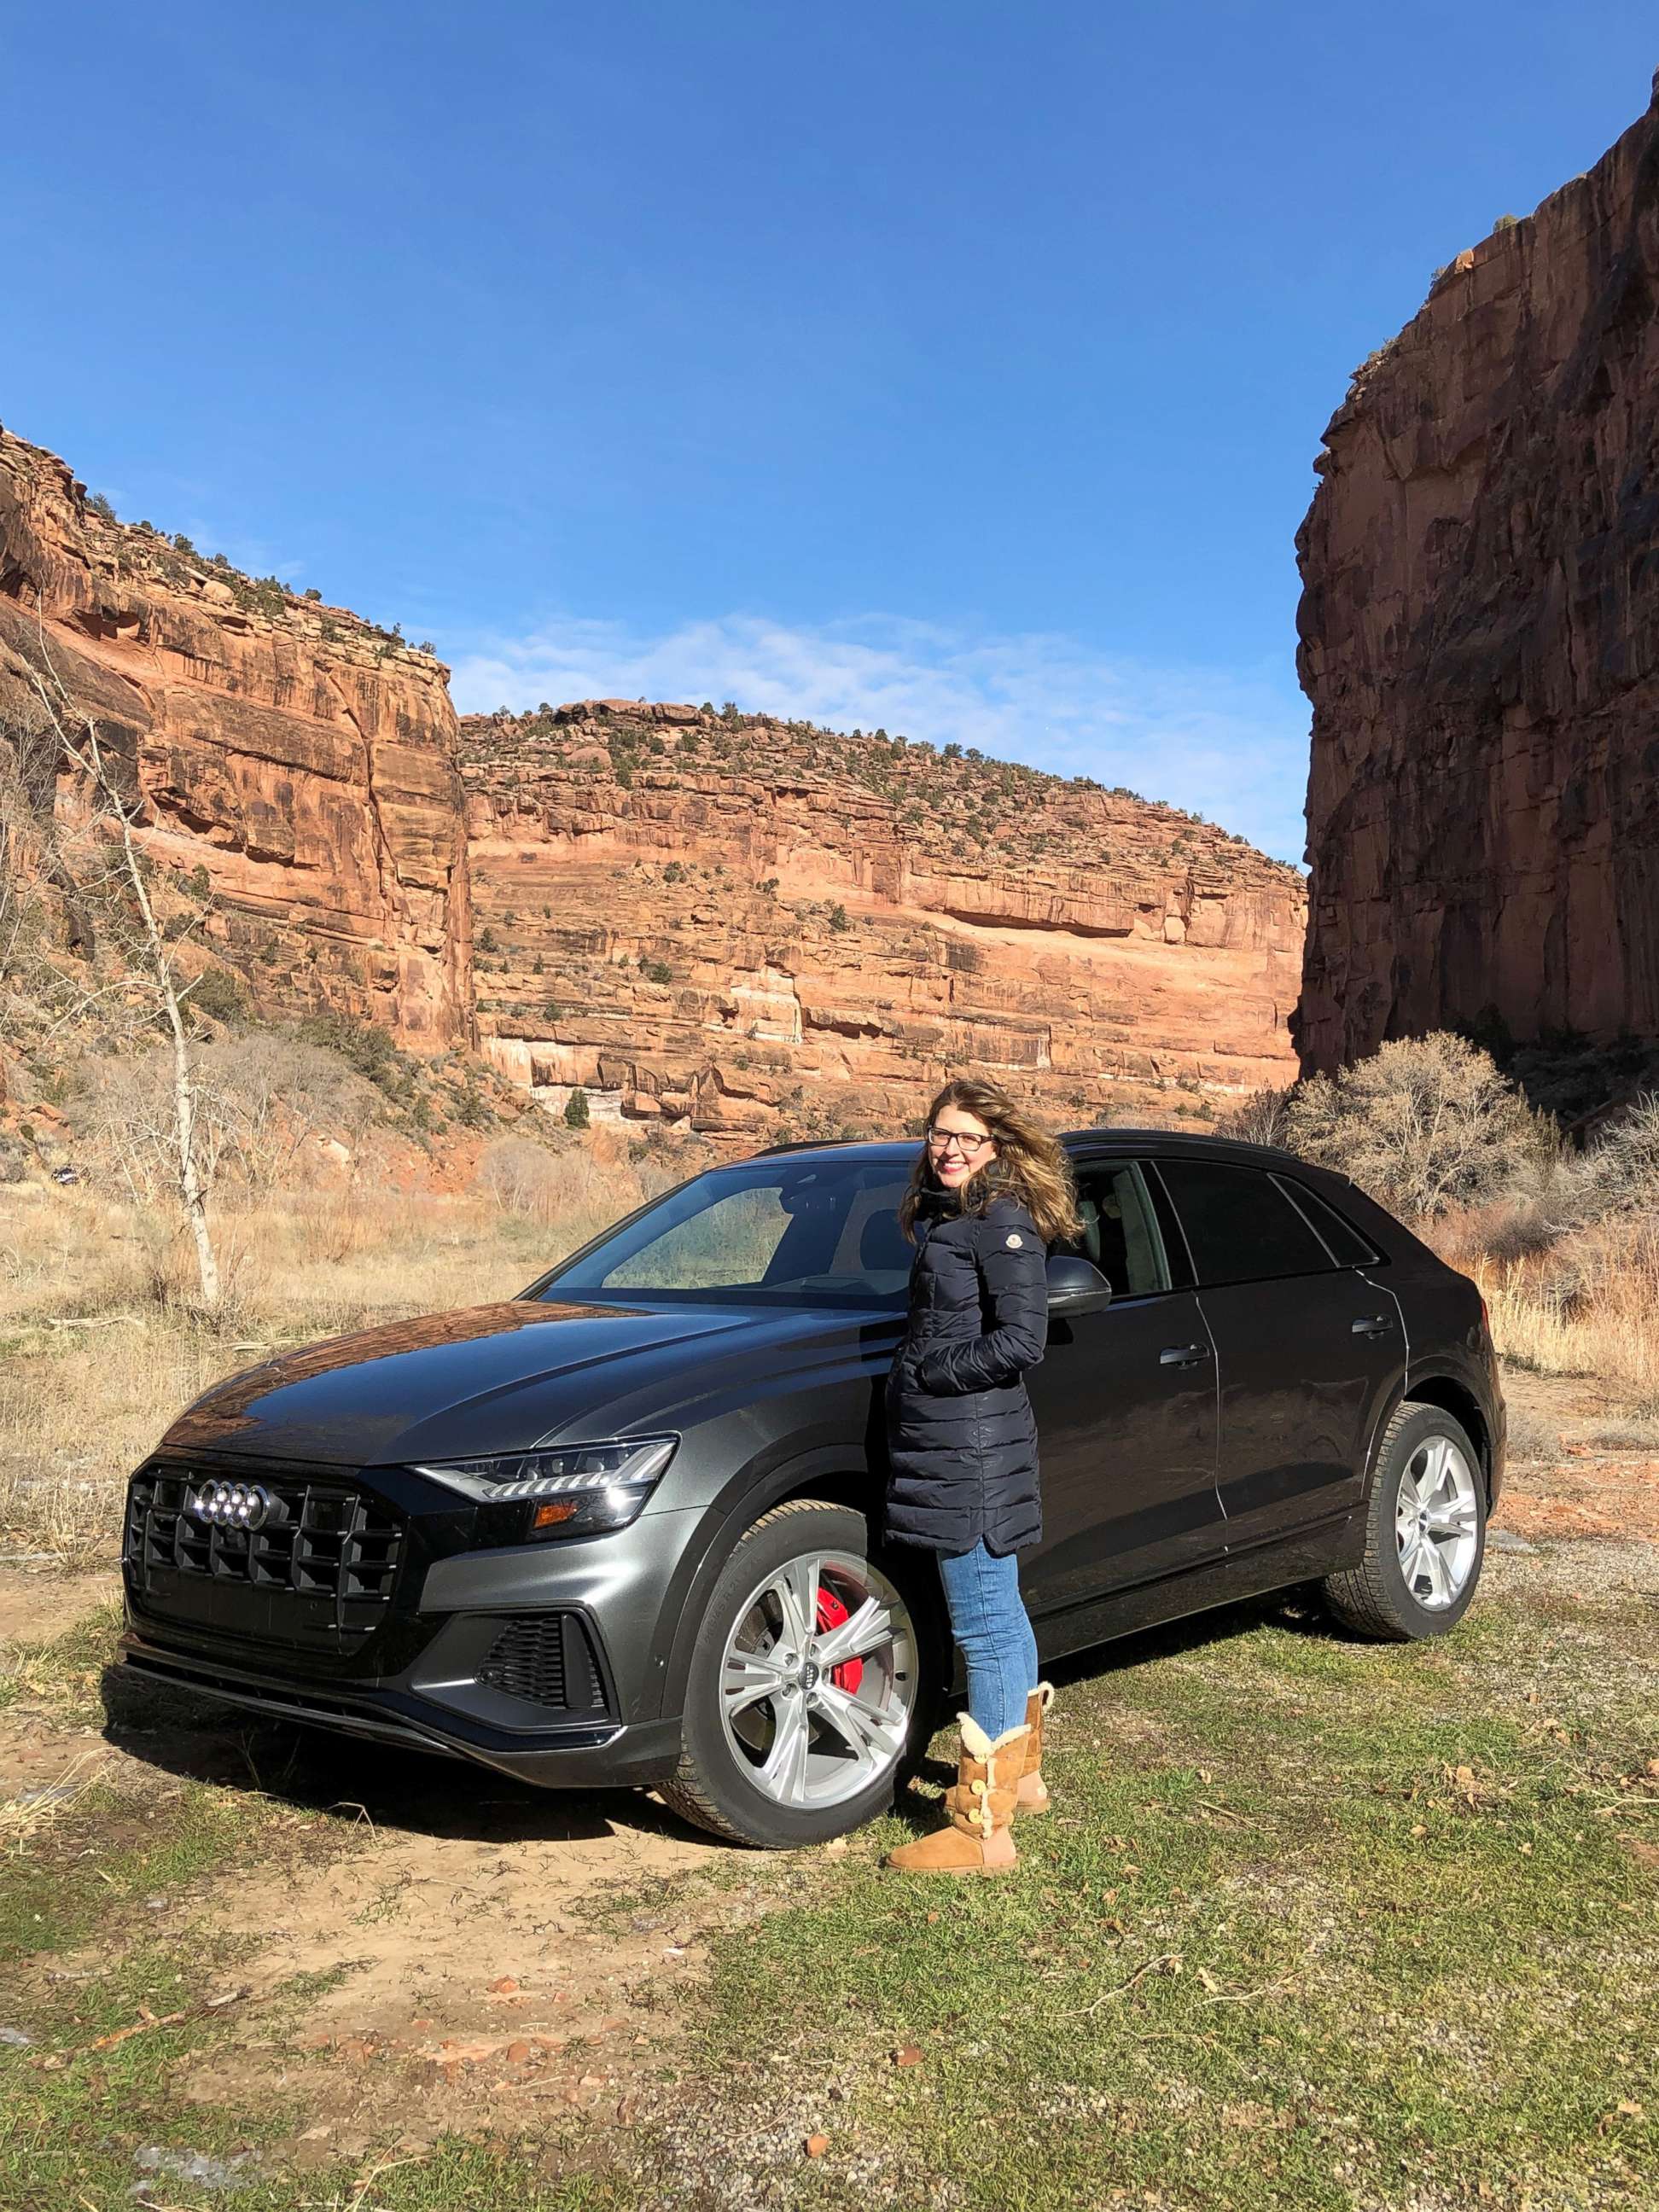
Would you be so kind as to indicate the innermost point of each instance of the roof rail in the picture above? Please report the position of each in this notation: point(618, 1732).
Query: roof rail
point(804, 1145)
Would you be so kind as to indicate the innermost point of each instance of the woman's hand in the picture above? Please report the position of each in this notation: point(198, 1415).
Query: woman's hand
point(1012, 1266)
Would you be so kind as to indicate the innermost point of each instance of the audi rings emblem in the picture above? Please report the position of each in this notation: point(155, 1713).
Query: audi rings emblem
point(232, 1504)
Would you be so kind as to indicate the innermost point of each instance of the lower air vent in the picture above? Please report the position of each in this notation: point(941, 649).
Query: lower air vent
point(547, 1659)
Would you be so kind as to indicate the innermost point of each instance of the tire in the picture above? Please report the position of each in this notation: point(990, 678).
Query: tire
point(781, 1766)
point(1425, 1535)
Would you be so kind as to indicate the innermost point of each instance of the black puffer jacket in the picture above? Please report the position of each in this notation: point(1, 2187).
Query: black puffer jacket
point(962, 1442)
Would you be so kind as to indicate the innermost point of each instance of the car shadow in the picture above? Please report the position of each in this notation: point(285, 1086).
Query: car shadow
point(197, 1738)
point(1289, 1610)
point(393, 1786)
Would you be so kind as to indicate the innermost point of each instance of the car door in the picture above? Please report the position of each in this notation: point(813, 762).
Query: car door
point(1309, 1348)
point(1125, 1411)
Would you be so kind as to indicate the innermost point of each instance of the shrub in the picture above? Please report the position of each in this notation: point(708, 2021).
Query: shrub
point(838, 917)
point(1260, 1119)
point(576, 1109)
point(522, 1178)
point(1424, 1124)
point(1617, 1172)
point(470, 1111)
point(220, 995)
point(364, 1046)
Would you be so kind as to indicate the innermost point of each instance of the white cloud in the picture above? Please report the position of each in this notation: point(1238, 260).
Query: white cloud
point(1229, 744)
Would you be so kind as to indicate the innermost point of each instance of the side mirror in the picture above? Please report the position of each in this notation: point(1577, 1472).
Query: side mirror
point(1076, 1285)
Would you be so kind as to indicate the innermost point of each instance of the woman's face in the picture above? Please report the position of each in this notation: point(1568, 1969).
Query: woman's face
point(959, 1146)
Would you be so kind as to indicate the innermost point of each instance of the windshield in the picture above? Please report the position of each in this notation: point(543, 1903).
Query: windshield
point(794, 1231)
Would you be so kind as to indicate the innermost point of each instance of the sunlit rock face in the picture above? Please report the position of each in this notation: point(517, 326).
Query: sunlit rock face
point(729, 923)
point(1479, 631)
point(303, 759)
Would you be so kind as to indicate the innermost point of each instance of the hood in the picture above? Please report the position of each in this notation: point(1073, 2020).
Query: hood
point(488, 1378)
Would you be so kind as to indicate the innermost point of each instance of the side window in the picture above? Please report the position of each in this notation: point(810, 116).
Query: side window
point(1240, 1226)
point(1119, 1233)
point(1346, 1246)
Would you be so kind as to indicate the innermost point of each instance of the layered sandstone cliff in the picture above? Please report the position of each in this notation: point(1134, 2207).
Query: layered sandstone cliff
point(721, 923)
point(303, 759)
point(736, 924)
point(1480, 641)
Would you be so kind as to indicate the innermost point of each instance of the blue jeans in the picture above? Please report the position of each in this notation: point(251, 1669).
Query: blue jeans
point(989, 1622)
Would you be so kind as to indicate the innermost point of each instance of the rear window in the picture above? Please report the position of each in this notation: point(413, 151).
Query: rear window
point(1240, 1225)
point(1345, 1245)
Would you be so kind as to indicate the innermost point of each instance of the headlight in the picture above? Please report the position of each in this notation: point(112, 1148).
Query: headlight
point(577, 1491)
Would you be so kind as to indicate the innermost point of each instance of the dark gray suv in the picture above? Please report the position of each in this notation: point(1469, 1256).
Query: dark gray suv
point(627, 1527)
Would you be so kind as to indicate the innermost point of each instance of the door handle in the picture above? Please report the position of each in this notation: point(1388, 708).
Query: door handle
point(1183, 1355)
point(1372, 1325)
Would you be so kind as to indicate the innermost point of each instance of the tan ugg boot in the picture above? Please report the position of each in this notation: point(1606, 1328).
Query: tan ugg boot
point(976, 1837)
point(1032, 1796)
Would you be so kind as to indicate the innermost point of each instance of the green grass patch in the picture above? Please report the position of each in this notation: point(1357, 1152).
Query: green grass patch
point(83, 1874)
point(1313, 1927)
point(65, 1671)
point(1313, 1924)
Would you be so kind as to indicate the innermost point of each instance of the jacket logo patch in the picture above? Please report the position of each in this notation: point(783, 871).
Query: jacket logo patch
point(1013, 1240)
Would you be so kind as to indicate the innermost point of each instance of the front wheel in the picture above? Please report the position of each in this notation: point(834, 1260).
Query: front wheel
point(1426, 1532)
point(809, 1688)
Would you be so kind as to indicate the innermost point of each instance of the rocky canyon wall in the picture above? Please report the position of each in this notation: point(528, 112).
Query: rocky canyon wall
point(1480, 630)
point(742, 924)
point(725, 923)
point(305, 760)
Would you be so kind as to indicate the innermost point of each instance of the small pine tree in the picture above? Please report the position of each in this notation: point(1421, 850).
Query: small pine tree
point(576, 1109)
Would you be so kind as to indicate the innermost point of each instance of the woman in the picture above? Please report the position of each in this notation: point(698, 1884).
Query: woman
point(991, 1190)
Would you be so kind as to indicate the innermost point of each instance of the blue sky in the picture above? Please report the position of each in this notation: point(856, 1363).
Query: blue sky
point(957, 368)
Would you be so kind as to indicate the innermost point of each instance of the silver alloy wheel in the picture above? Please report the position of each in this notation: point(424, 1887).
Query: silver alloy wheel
point(1437, 1524)
point(805, 1739)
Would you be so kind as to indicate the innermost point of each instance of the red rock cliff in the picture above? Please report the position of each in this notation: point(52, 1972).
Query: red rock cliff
point(745, 925)
point(1480, 642)
point(304, 759)
point(736, 925)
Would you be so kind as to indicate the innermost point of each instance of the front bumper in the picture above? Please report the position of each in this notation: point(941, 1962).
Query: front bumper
point(545, 1660)
point(575, 1755)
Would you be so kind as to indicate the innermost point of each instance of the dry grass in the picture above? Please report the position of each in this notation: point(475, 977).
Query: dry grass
point(1586, 1304)
point(100, 1344)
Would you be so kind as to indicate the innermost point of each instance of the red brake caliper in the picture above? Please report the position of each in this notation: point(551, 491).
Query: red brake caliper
point(832, 1614)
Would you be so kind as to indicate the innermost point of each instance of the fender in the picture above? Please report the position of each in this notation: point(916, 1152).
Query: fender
point(1457, 1391)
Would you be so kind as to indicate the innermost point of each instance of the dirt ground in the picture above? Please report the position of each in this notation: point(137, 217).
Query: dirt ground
point(1581, 1484)
point(483, 1955)
point(471, 1961)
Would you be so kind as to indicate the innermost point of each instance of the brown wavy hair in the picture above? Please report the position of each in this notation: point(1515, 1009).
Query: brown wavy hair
point(1029, 1164)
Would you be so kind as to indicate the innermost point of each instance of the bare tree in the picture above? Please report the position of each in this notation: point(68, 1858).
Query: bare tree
point(145, 971)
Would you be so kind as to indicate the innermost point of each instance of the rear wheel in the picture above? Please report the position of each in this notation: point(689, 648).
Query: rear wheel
point(1426, 1532)
point(809, 1692)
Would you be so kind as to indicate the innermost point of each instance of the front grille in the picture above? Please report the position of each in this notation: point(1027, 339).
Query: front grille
point(319, 1573)
point(547, 1658)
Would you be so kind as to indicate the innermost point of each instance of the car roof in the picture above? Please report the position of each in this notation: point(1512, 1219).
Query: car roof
point(1104, 1139)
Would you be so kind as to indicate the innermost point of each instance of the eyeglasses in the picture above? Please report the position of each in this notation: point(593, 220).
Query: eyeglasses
point(941, 1141)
